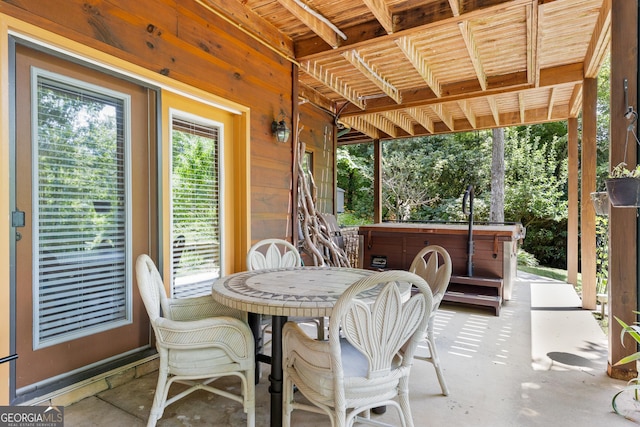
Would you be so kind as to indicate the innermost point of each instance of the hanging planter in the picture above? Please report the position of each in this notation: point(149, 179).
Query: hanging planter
point(600, 200)
point(624, 192)
point(623, 187)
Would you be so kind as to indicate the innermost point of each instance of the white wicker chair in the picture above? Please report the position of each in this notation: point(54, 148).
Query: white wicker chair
point(277, 253)
point(367, 359)
point(197, 339)
point(433, 264)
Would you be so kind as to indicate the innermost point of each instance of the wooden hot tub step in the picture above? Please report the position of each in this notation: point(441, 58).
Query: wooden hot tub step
point(474, 299)
point(487, 282)
point(492, 282)
point(476, 290)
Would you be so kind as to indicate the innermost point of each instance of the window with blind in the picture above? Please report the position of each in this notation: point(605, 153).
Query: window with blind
point(195, 205)
point(82, 283)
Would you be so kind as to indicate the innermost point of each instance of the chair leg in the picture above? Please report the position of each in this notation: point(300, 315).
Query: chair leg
point(250, 397)
point(159, 398)
point(403, 401)
point(435, 359)
point(287, 399)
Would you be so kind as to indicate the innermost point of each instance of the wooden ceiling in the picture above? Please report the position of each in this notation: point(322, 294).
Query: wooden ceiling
point(400, 68)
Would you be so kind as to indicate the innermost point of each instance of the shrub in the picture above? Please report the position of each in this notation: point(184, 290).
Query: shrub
point(526, 259)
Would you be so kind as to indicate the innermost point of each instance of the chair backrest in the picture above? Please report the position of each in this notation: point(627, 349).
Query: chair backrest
point(433, 264)
point(273, 253)
point(380, 321)
point(151, 288)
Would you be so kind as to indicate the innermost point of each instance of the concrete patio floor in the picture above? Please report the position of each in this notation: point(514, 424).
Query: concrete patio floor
point(542, 362)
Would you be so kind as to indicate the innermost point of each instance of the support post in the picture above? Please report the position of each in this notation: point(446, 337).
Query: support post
point(623, 241)
point(588, 213)
point(377, 181)
point(572, 222)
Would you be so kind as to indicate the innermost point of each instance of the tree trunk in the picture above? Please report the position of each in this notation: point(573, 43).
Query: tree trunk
point(496, 213)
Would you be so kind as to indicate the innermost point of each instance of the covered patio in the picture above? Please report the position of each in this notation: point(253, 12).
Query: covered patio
point(247, 64)
point(542, 362)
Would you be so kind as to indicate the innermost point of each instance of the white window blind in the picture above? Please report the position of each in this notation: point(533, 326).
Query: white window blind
point(195, 201)
point(82, 284)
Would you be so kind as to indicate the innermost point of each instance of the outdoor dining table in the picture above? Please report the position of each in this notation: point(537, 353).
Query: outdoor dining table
point(283, 292)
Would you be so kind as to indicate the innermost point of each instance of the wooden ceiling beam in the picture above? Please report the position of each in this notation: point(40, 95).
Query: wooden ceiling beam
point(464, 90)
point(465, 106)
point(600, 42)
point(474, 53)
point(309, 18)
point(495, 112)
point(363, 126)
point(316, 98)
point(539, 115)
point(523, 106)
point(420, 116)
point(369, 71)
point(563, 74)
point(536, 115)
point(419, 63)
point(400, 119)
point(575, 103)
point(333, 82)
point(249, 22)
point(455, 7)
point(417, 20)
point(381, 123)
point(551, 102)
point(445, 115)
point(533, 41)
point(382, 13)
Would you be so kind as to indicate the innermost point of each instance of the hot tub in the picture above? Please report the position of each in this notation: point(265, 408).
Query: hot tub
point(493, 262)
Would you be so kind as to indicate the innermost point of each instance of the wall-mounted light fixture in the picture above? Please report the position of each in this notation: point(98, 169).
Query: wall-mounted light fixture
point(280, 129)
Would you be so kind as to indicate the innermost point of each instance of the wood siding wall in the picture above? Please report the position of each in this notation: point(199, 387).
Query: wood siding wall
point(186, 42)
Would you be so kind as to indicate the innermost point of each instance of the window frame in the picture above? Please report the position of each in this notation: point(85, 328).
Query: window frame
point(176, 113)
point(36, 73)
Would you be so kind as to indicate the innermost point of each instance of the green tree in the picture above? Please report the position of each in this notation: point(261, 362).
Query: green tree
point(535, 180)
point(404, 185)
point(535, 194)
point(355, 177)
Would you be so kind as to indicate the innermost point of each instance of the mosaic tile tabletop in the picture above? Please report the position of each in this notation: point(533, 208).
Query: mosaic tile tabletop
point(300, 292)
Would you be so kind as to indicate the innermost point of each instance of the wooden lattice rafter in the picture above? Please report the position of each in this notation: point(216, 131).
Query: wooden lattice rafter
point(446, 65)
point(382, 13)
point(474, 54)
point(315, 21)
point(600, 42)
point(422, 118)
point(369, 71)
point(363, 126)
point(445, 115)
point(332, 81)
point(466, 108)
point(401, 119)
point(379, 121)
point(523, 106)
point(421, 65)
